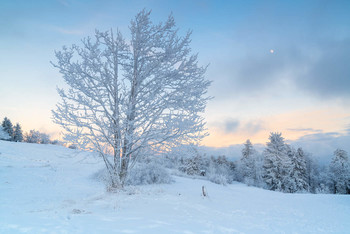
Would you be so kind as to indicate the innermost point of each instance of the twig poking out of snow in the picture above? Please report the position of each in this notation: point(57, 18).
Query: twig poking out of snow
point(204, 191)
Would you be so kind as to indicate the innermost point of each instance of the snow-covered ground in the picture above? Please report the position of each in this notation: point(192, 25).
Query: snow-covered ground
point(50, 189)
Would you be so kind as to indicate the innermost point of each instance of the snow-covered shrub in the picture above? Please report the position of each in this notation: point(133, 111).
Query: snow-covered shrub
point(221, 170)
point(193, 166)
point(56, 142)
point(148, 173)
point(151, 172)
point(73, 146)
point(37, 137)
point(178, 155)
point(3, 134)
point(218, 178)
point(188, 160)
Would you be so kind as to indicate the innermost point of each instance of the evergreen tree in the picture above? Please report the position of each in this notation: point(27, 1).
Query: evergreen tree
point(8, 127)
point(339, 172)
point(313, 177)
point(247, 167)
point(275, 161)
point(18, 134)
point(297, 180)
point(259, 170)
point(289, 180)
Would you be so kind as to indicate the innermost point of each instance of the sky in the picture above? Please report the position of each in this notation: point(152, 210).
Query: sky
point(276, 66)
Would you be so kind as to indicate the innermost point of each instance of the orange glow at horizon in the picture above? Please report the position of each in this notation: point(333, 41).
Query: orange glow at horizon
point(292, 125)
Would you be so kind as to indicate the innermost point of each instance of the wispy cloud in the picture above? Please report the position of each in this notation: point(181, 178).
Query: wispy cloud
point(231, 126)
point(253, 127)
point(320, 136)
point(322, 145)
point(309, 130)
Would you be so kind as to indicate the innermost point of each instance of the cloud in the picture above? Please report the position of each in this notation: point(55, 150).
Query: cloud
point(305, 130)
point(320, 136)
point(329, 75)
point(320, 70)
point(230, 126)
point(323, 145)
point(253, 127)
point(257, 73)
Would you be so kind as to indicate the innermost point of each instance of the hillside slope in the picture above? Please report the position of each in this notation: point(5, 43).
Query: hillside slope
point(46, 188)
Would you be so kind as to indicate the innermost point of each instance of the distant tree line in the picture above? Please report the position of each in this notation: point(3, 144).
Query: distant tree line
point(283, 168)
point(279, 167)
point(9, 132)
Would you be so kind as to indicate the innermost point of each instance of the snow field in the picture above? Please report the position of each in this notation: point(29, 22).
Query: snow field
point(51, 189)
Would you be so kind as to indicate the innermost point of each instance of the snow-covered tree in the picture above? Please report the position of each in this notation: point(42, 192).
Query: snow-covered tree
point(3, 134)
point(37, 137)
point(312, 173)
point(296, 181)
point(247, 171)
point(125, 97)
point(339, 172)
point(44, 138)
point(8, 127)
point(17, 133)
point(276, 163)
point(259, 170)
point(32, 136)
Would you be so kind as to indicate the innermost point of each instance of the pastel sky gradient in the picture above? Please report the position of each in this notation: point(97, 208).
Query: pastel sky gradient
point(302, 89)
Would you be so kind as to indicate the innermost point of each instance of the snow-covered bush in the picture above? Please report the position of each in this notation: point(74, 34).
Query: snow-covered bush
point(189, 161)
point(220, 170)
point(194, 166)
point(3, 134)
point(37, 137)
point(148, 173)
point(218, 178)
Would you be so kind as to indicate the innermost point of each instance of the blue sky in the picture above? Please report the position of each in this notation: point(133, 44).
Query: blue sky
point(301, 89)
